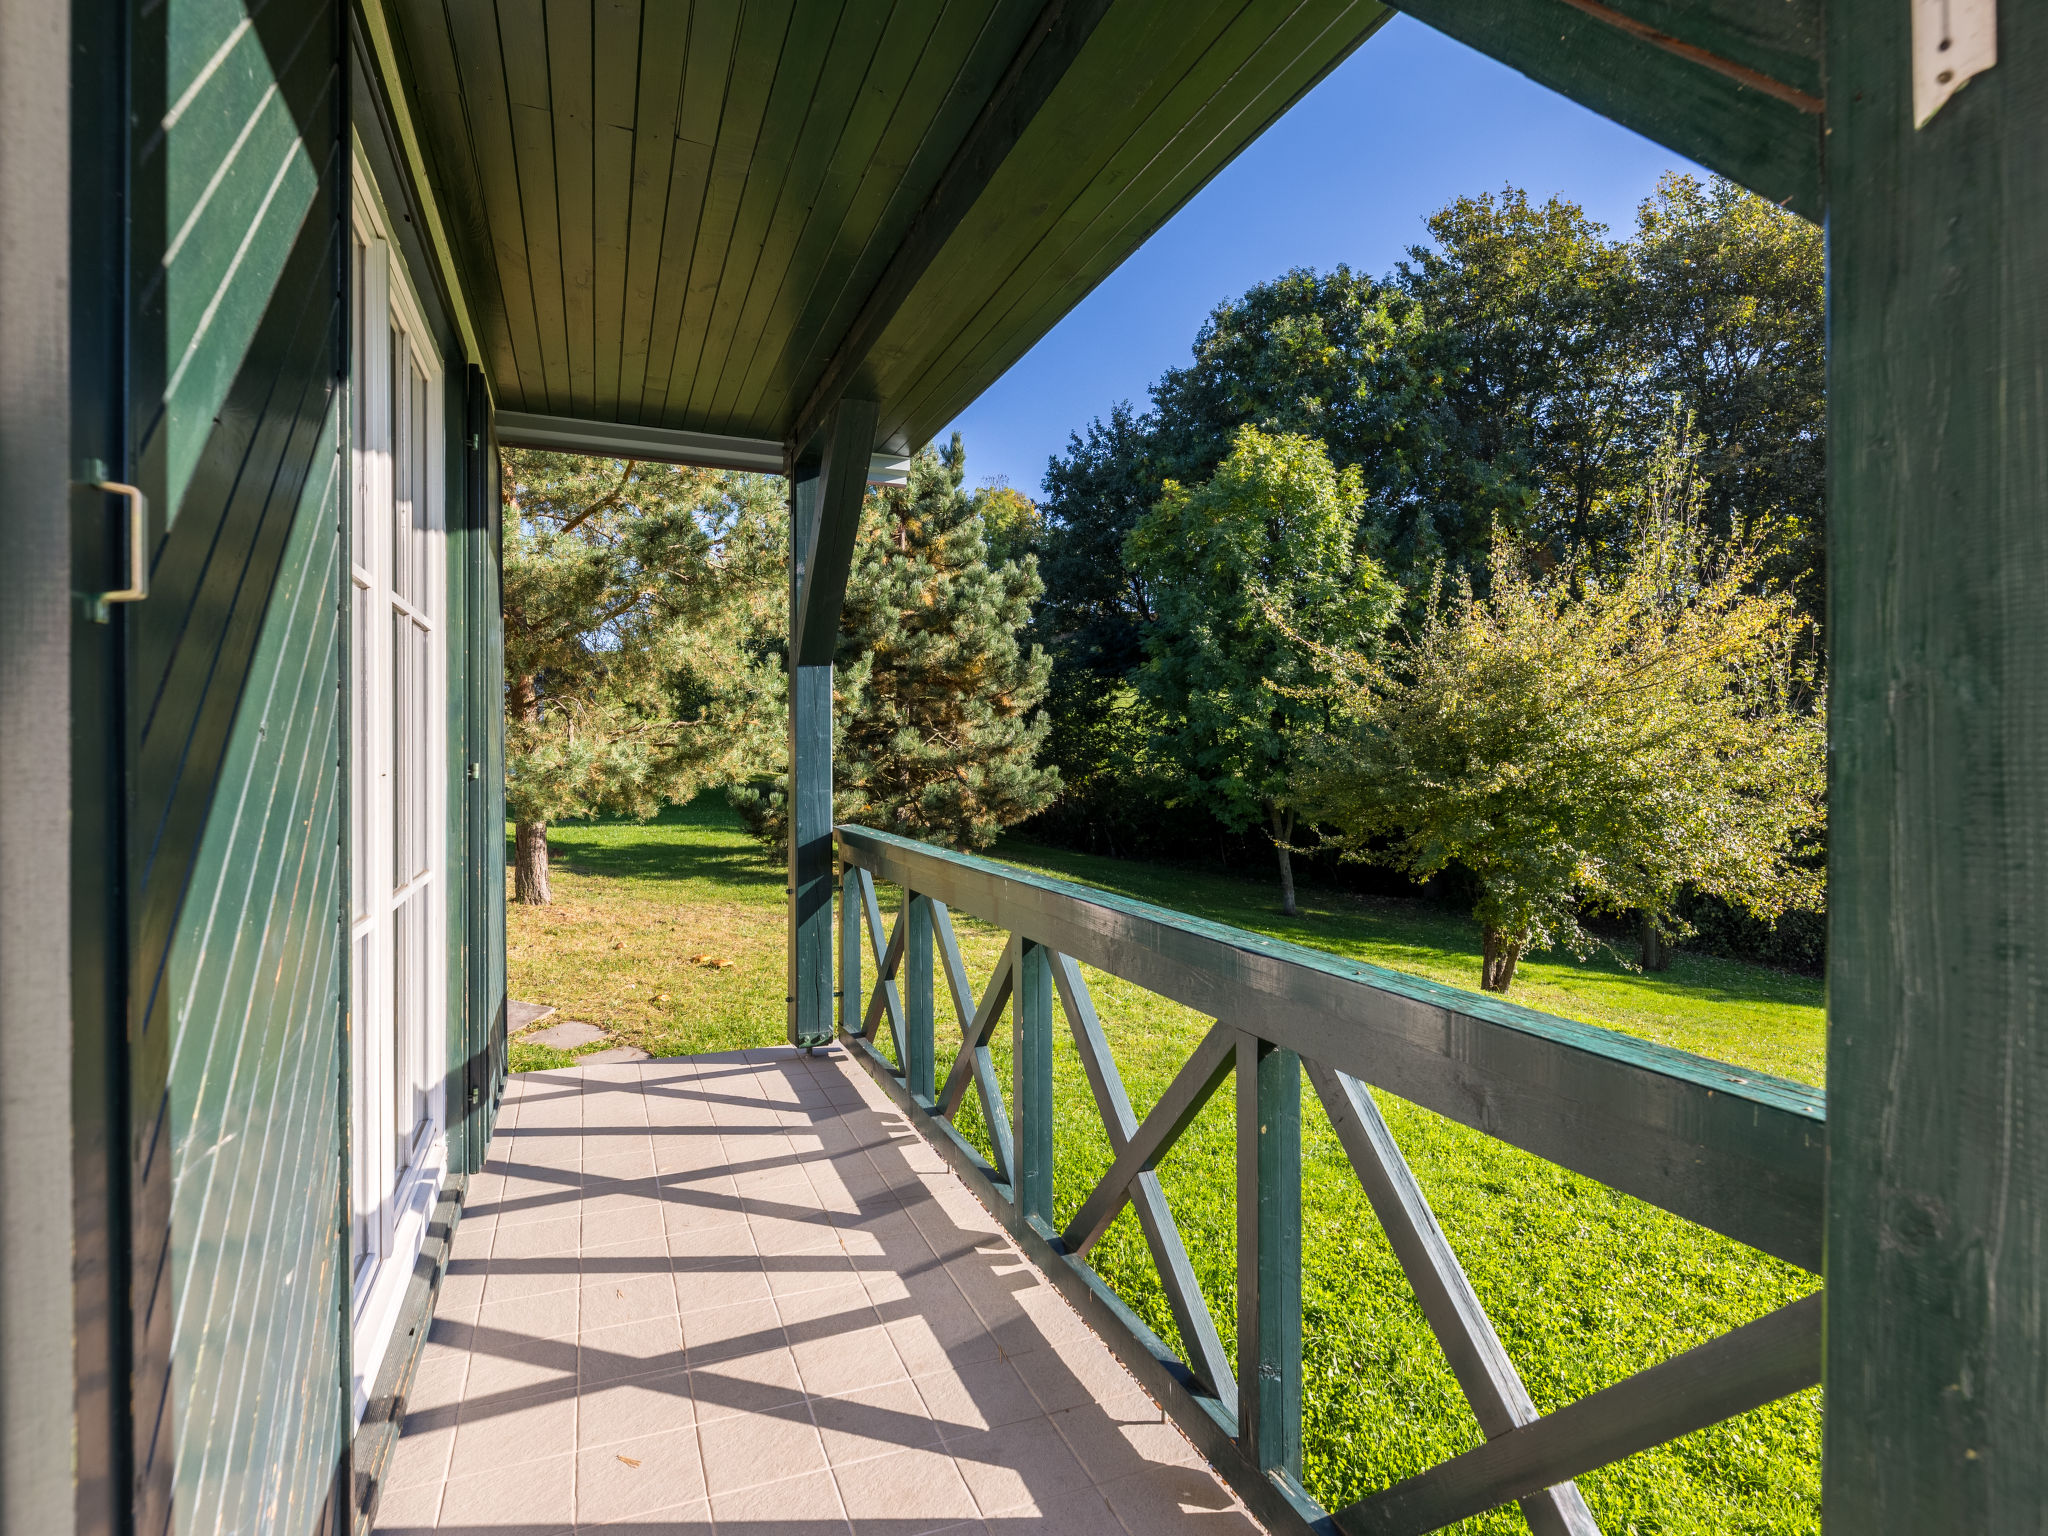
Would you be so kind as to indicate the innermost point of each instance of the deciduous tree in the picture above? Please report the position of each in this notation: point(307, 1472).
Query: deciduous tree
point(1579, 740)
point(1255, 576)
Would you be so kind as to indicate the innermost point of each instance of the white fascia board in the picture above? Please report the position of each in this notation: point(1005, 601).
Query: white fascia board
point(705, 450)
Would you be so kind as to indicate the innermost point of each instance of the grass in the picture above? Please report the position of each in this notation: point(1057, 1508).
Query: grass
point(1585, 1286)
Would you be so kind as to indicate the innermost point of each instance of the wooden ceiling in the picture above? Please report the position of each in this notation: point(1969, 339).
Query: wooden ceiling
point(717, 217)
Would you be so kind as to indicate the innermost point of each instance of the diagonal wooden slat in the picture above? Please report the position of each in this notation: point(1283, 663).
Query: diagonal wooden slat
point(884, 998)
point(976, 1063)
point(1756, 1364)
point(1183, 1100)
point(949, 956)
point(1162, 1234)
point(980, 1027)
point(1490, 1381)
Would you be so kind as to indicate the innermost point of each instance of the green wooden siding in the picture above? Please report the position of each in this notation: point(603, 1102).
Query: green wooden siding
point(255, 973)
point(234, 790)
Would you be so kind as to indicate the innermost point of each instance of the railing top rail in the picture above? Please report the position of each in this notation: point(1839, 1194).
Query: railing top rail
point(1738, 1151)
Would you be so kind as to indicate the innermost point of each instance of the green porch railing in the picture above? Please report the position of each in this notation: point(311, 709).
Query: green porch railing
point(1730, 1150)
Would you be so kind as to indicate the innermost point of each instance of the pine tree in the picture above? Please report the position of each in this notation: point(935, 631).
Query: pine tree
point(936, 725)
point(631, 593)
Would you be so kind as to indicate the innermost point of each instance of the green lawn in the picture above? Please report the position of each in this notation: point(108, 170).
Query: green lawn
point(1584, 1285)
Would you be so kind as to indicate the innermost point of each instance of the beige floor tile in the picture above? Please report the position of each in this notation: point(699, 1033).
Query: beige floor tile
point(762, 1382)
point(550, 1314)
point(603, 1229)
point(713, 1333)
point(409, 1511)
point(904, 1493)
point(421, 1454)
point(636, 1476)
point(505, 1365)
point(693, 1519)
point(816, 1311)
point(639, 1405)
point(437, 1383)
point(775, 1231)
point(1017, 1465)
point(560, 1233)
point(535, 1498)
point(1123, 1436)
point(797, 1506)
point(846, 1359)
point(1174, 1501)
point(752, 1448)
point(614, 1299)
point(874, 1421)
point(529, 1429)
point(722, 1283)
point(631, 1349)
point(968, 1399)
point(1077, 1512)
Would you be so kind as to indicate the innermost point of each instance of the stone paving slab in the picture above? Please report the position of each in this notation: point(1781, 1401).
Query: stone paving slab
point(520, 1015)
point(565, 1036)
point(736, 1295)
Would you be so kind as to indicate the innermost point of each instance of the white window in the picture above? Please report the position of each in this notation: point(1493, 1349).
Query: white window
point(398, 912)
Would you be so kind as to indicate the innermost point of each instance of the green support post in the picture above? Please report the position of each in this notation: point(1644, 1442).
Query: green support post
point(1936, 1347)
point(915, 980)
point(1269, 1256)
point(827, 479)
point(810, 857)
point(850, 996)
point(1031, 1059)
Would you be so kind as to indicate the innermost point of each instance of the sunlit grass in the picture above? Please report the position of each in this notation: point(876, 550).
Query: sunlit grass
point(1584, 1285)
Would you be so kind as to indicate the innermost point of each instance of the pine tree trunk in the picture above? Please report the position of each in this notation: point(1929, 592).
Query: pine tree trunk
point(1497, 956)
point(1283, 834)
point(1656, 953)
point(530, 864)
point(529, 838)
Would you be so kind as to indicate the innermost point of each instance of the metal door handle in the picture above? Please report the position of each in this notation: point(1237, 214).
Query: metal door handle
point(138, 526)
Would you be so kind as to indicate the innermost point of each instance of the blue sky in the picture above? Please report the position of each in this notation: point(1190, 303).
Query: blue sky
point(1410, 121)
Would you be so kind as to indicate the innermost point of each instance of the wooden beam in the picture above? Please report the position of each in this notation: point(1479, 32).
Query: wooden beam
point(1758, 1363)
point(1048, 52)
point(1937, 1207)
point(1269, 1256)
point(1728, 85)
point(1738, 1151)
point(833, 470)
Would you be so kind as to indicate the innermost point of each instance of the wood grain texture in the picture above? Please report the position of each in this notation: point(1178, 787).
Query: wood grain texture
point(1937, 1346)
point(1766, 144)
point(708, 217)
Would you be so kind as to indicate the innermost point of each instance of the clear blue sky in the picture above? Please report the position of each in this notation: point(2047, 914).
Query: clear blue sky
point(1410, 121)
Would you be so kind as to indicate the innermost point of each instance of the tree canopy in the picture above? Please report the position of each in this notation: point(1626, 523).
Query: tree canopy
point(1254, 575)
point(630, 591)
point(1581, 740)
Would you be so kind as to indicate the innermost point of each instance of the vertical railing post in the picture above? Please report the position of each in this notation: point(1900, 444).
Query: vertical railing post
point(850, 999)
point(1269, 1256)
point(915, 980)
point(1031, 1063)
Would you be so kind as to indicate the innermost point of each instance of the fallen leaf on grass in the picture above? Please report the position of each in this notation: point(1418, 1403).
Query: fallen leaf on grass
point(714, 962)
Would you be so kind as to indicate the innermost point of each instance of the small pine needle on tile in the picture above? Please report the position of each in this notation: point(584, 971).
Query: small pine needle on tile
point(629, 1461)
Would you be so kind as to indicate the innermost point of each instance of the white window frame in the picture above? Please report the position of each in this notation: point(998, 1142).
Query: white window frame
point(398, 1200)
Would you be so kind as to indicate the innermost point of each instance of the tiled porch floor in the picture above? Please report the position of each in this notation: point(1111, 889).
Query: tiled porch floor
point(739, 1292)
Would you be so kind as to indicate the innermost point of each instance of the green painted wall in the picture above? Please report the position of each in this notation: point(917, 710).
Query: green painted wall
point(254, 976)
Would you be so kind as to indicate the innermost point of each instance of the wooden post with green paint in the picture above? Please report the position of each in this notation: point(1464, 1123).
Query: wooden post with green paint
point(1269, 1256)
point(1031, 1051)
point(1937, 1200)
point(827, 479)
point(916, 981)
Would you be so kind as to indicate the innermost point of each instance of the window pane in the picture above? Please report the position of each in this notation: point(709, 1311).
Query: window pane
point(422, 643)
point(362, 785)
point(404, 716)
point(404, 999)
point(363, 1201)
point(418, 480)
point(401, 464)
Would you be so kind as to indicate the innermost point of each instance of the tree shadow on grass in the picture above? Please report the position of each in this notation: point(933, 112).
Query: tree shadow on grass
point(608, 846)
